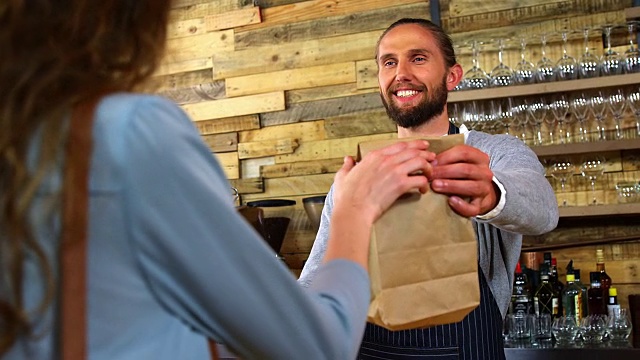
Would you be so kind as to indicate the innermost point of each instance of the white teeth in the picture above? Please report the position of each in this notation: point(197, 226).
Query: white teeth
point(406, 93)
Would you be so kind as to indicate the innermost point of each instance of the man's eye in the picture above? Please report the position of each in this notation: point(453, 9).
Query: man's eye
point(420, 59)
point(389, 63)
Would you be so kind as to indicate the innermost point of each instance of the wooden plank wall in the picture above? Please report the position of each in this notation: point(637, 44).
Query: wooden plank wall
point(281, 90)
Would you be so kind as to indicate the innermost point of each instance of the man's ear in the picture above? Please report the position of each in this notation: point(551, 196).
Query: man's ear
point(454, 76)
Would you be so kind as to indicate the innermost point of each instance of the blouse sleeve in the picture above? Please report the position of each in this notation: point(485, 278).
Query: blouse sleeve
point(207, 266)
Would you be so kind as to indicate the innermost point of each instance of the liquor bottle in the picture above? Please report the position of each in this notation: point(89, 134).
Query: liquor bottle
point(572, 299)
point(613, 307)
point(584, 297)
point(596, 299)
point(545, 298)
point(605, 280)
point(521, 299)
point(556, 283)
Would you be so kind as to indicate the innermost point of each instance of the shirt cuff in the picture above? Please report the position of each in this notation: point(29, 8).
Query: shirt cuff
point(498, 209)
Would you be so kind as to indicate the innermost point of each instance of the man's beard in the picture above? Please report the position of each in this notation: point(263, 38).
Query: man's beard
point(429, 107)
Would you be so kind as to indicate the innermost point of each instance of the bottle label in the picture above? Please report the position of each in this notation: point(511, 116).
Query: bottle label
point(554, 306)
point(577, 303)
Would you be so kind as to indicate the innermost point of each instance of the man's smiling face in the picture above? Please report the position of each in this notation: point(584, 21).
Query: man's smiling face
point(412, 75)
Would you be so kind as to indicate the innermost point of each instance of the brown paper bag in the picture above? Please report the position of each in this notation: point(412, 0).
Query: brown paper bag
point(423, 260)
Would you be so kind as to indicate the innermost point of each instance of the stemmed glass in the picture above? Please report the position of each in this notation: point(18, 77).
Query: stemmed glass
point(453, 111)
point(519, 110)
point(476, 78)
point(589, 63)
point(472, 114)
point(633, 100)
point(501, 115)
point(580, 105)
point(598, 107)
point(592, 168)
point(501, 75)
point(611, 60)
point(562, 170)
point(566, 67)
point(545, 69)
point(617, 102)
point(538, 110)
point(524, 72)
point(632, 54)
point(560, 109)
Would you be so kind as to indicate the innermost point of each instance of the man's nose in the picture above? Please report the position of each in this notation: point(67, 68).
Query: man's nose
point(402, 72)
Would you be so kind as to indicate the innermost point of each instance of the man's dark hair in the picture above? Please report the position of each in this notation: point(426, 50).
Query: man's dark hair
point(444, 41)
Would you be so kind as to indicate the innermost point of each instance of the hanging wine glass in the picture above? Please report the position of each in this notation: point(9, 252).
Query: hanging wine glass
point(617, 102)
point(566, 67)
point(633, 100)
point(579, 105)
point(545, 68)
point(501, 75)
point(631, 56)
point(504, 114)
point(598, 108)
point(589, 63)
point(453, 110)
point(611, 60)
point(476, 78)
point(537, 110)
point(524, 72)
point(519, 111)
point(471, 114)
point(593, 168)
point(560, 109)
point(562, 169)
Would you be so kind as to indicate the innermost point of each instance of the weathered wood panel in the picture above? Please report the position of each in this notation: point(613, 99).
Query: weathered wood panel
point(256, 149)
point(301, 168)
point(362, 123)
point(294, 186)
point(251, 167)
point(168, 68)
point(186, 28)
point(196, 93)
point(248, 185)
point(376, 19)
point(221, 142)
point(198, 46)
point(236, 123)
point(181, 80)
point(193, 9)
point(318, 9)
point(232, 19)
point(230, 164)
point(325, 92)
point(367, 74)
point(329, 149)
point(305, 131)
point(310, 77)
point(294, 55)
point(470, 7)
point(315, 110)
point(245, 105)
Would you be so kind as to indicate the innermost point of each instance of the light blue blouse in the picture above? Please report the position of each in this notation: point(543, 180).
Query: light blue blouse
point(171, 262)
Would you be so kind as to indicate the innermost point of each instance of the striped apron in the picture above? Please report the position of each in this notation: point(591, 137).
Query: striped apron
point(477, 337)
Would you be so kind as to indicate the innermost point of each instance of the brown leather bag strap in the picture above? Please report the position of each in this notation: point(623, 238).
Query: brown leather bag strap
point(75, 216)
point(74, 232)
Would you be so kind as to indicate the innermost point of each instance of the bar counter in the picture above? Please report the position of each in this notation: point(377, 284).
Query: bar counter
point(574, 352)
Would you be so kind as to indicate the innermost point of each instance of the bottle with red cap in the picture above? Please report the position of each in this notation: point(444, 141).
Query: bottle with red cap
point(521, 298)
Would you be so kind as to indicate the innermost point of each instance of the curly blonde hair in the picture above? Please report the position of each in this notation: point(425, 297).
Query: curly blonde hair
point(56, 53)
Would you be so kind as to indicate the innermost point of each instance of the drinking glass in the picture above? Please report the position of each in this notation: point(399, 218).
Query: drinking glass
point(564, 329)
point(501, 116)
point(560, 109)
point(593, 168)
point(524, 72)
point(519, 110)
point(631, 56)
point(562, 169)
point(566, 67)
point(453, 110)
point(545, 68)
point(476, 78)
point(471, 114)
point(592, 328)
point(617, 102)
point(619, 326)
point(598, 108)
point(589, 63)
point(537, 110)
point(580, 105)
point(633, 100)
point(501, 75)
point(611, 60)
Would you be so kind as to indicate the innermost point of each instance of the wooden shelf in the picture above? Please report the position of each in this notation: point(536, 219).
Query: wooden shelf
point(632, 13)
point(586, 147)
point(544, 88)
point(599, 210)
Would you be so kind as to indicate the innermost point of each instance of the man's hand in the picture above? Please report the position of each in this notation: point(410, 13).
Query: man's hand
point(463, 173)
